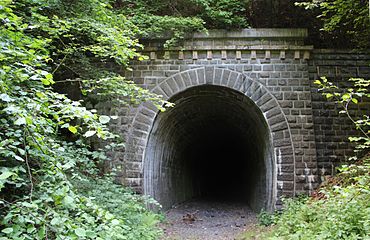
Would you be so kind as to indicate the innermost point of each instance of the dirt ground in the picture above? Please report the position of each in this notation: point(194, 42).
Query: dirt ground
point(206, 220)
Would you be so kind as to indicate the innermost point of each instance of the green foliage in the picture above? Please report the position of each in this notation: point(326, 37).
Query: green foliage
point(173, 19)
point(355, 95)
point(223, 14)
point(170, 27)
point(215, 13)
point(43, 150)
point(85, 39)
point(344, 17)
point(139, 222)
point(343, 212)
point(119, 91)
point(266, 218)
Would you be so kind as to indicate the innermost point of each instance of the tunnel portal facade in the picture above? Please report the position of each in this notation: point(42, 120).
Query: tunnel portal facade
point(242, 113)
point(226, 136)
point(242, 125)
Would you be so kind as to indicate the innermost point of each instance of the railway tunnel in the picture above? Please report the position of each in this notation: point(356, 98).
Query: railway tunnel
point(214, 145)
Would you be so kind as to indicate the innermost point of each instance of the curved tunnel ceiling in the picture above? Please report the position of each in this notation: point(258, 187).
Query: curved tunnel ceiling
point(213, 144)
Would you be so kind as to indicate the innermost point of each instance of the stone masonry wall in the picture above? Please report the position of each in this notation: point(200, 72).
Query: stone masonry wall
point(310, 138)
point(276, 59)
point(331, 128)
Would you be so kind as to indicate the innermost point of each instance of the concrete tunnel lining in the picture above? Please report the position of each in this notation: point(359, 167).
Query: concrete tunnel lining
point(214, 144)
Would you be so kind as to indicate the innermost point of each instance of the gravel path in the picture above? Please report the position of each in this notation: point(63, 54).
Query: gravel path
point(205, 220)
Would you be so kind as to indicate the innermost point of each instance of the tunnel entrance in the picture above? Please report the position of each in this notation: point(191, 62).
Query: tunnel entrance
point(215, 145)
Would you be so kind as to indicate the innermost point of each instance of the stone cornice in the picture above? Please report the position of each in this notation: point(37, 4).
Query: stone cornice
point(231, 47)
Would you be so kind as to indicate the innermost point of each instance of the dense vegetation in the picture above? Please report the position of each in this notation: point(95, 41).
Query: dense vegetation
point(165, 18)
point(346, 23)
point(44, 135)
point(213, 14)
point(339, 210)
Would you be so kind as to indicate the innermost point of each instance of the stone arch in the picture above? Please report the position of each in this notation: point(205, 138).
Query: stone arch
point(281, 162)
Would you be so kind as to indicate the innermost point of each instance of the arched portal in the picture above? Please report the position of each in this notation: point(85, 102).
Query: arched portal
point(214, 144)
point(227, 135)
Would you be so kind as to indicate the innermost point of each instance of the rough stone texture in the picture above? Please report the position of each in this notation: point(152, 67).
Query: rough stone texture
point(332, 129)
point(266, 68)
point(263, 72)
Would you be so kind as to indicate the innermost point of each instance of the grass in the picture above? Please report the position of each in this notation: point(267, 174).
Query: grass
point(256, 232)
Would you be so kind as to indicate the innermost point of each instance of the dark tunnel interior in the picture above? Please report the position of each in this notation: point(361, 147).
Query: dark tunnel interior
point(214, 145)
point(212, 177)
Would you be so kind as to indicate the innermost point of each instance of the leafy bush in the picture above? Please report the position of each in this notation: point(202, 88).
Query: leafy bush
point(173, 19)
point(173, 28)
point(43, 134)
point(139, 223)
point(221, 14)
point(342, 212)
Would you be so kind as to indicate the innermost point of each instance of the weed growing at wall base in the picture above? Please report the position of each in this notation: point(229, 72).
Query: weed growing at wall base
point(342, 211)
point(266, 218)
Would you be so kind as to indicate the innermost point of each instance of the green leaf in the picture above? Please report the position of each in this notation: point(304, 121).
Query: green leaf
point(45, 81)
point(29, 205)
point(104, 119)
point(115, 222)
point(21, 151)
point(55, 221)
point(90, 133)
point(41, 232)
point(7, 230)
point(68, 200)
point(19, 158)
point(355, 139)
point(72, 129)
point(40, 95)
point(49, 76)
point(354, 100)
point(29, 120)
point(20, 121)
point(317, 82)
point(6, 175)
point(346, 96)
point(80, 232)
point(5, 97)
point(31, 229)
